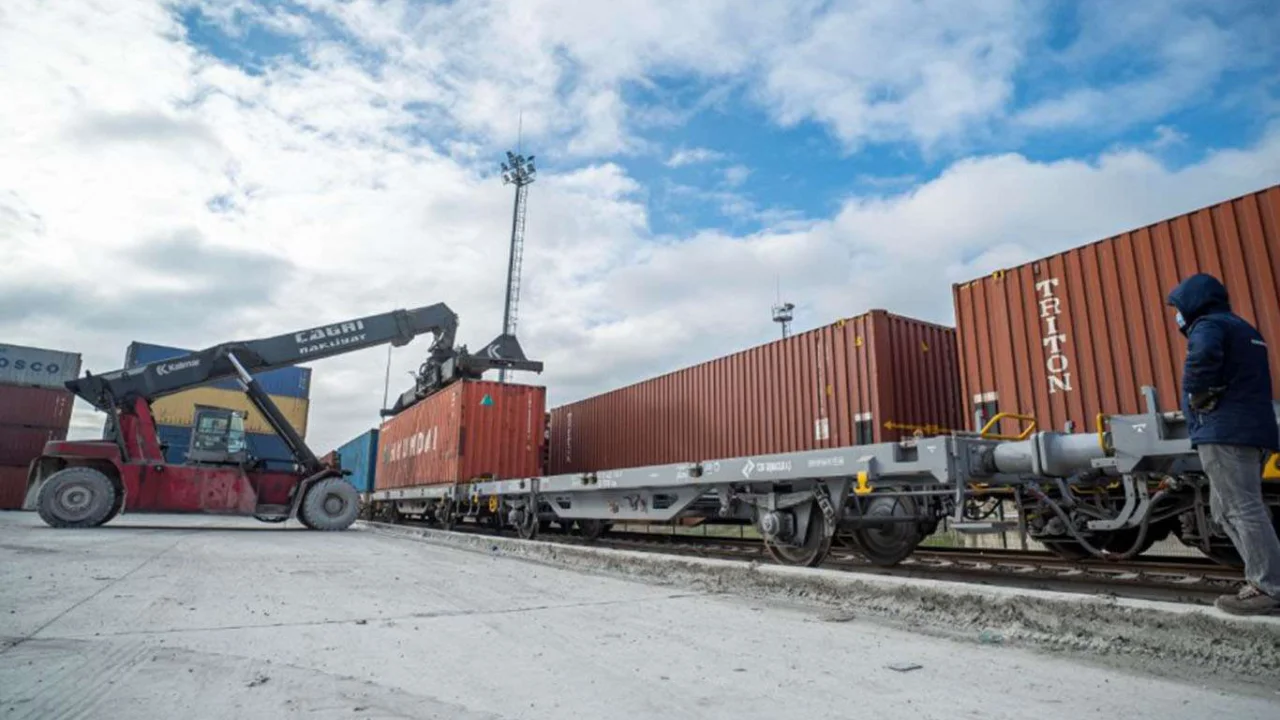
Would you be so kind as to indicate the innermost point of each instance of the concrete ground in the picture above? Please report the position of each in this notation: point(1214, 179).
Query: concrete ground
point(211, 618)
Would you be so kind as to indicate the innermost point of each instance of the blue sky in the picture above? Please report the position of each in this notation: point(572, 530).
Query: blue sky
point(312, 160)
point(744, 171)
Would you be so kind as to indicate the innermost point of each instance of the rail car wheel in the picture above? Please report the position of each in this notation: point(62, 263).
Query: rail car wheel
point(389, 512)
point(1121, 541)
point(329, 505)
point(1225, 555)
point(1223, 551)
point(526, 524)
point(812, 551)
point(1067, 549)
point(76, 497)
point(847, 541)
point(1113, 541)
point(591, 529)
point(889, 544)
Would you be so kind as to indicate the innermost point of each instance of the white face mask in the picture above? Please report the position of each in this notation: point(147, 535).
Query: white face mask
point(1182, 324)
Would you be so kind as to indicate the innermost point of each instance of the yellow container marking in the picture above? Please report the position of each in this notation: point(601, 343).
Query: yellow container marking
point(179, 409)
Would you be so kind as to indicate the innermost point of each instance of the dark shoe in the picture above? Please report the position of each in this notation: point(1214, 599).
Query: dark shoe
point(1249, 601)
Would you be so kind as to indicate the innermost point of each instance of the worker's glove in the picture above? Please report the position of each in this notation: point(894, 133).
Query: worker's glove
point(1206, 401)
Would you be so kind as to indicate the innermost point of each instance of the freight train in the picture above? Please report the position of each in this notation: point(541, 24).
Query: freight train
point(857, 429)
point(1110, 493)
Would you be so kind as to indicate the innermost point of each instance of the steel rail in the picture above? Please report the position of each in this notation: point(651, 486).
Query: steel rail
point(1192, 582)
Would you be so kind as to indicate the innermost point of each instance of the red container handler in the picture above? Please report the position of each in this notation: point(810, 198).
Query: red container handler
point(469, 430)
point(872, 378)
point(13, 487)
point(35, 407)
point(1079, 333)
point(20, 445)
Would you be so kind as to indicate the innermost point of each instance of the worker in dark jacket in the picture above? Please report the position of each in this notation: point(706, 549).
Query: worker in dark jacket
point(1227, 398)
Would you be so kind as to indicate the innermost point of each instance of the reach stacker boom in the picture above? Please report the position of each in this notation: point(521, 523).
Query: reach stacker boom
point(87, 483)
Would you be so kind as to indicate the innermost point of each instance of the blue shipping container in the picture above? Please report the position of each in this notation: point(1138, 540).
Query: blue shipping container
point(292, 382)
point(360, 456)
point(268, 447)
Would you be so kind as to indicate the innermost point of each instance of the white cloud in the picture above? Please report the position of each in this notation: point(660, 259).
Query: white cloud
point(923, 71)
point(930, 73)
point(1168, 136)
point(692, 156)
point(735, 175)
point(1156, 56)
point(299, 198)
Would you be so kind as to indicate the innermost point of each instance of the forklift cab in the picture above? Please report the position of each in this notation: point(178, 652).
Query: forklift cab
point(218, 437)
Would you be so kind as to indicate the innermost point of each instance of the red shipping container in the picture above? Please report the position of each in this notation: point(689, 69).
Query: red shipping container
point(467, 431)
point(872, 378)
point(21, 445)
point(1080, 333)
point(35, 406)
point(13, 487)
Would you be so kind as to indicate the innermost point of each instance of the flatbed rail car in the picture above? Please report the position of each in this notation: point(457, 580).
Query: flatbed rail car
point(1107, 493)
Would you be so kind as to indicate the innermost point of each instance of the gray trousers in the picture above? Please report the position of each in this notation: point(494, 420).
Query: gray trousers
point(1235, 499)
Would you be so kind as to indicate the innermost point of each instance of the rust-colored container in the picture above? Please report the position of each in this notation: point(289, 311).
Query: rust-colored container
point(35, 407)
point(13, 487)
point(868, 379)
point(1079, 333)
point(467, 431)
point(20, 445)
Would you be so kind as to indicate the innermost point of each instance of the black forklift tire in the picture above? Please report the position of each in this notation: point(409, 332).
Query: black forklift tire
point(329, 505)
point(77, 497)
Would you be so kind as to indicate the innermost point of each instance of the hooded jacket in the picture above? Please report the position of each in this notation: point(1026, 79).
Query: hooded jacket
point(1226, 379)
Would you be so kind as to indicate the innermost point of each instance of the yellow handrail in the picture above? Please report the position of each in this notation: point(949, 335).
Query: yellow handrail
point(986, 433)
point(1100, 424)
point(1271, 471)
point(926, 429)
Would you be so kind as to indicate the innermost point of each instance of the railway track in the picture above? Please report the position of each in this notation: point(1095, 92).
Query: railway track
point(1185, 580)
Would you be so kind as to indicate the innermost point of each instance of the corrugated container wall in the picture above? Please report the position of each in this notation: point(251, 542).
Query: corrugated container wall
point(294, 382)
point(1079, 333)
point(22, 365)
point(13, 487)
point(35, 406)
point(467, 431)
point(872, 378)
point(289, 389)
point(178, 410)
point(20, 445)
point(360, 456)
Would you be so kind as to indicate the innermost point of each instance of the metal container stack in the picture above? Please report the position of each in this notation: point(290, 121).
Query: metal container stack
point(472, 429)
point(1079, 333)
point(35, 407)
point(360, 456)
point(873, 378)
point(289, 388)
